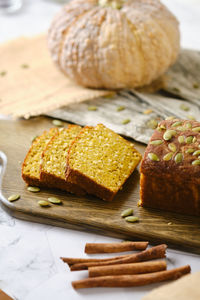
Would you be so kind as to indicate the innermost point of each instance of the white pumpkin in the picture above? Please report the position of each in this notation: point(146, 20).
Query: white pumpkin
point(114, 44)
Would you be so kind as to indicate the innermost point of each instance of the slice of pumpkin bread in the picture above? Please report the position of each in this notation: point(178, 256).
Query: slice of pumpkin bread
point(100, 161)
point(31, 164)
point(53, 165)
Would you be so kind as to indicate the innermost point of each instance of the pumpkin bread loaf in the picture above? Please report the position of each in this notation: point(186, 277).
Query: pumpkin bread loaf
point(31, 164)
point(100, 161)
point(170, 169)
point(52, 168)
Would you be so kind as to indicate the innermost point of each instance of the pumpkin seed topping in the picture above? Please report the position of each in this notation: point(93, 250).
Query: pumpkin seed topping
point(161, 128)
point(132, 219)
point(34, 138)
point(178, 158)
point(33, 189)
point(172, 147)
point(176, 124)
point(54, 200)
point(189, 139)
point(153, 156)
point(169, 134)
point(181, 128)
point(181, 139)
point(197, 152)
point(13, 197)
point(190, 150)
point(43, 203)
point(57, 123)
point(184, 107)
point(120, 108)
point(175, 89)
point(188, 125)
point(126, 121)
point(156, 142)
point(196, 162)
point(152, 124)
point(194, 139)
point(168, 156)
point(196, 129)
point(127, 212)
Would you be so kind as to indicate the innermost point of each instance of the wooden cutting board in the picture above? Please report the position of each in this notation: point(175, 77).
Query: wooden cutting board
point(87, 213)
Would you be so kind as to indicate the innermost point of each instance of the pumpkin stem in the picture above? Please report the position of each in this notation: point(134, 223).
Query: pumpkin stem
point(117, 4)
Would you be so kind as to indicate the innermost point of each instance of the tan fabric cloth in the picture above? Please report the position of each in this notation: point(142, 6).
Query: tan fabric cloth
point(185, 288)
point(32, 84)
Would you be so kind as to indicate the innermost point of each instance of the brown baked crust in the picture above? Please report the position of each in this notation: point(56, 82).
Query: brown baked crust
point(53, 181)
point(169, 185)
point(89, 185)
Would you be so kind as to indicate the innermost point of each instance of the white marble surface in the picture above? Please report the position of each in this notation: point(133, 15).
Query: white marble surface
point(30, 267)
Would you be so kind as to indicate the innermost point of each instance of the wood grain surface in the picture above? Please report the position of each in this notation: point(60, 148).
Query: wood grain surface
point(88, 213)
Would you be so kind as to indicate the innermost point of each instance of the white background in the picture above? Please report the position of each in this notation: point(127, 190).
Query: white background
point(30, 267)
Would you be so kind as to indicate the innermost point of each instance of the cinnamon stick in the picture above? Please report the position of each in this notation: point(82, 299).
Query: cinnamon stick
point(125, 269)
point(71, 261)
point(131, 280)
point(92, 248)
point(152, 253)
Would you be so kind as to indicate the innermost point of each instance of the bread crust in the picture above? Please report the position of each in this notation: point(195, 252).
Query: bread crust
point(169, 185)
point(87, 183)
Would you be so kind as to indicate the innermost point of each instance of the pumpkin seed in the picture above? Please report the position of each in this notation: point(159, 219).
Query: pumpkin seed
point(181, 128)
point(196, 129)
point(126, 121)
point(116, 5)
point(3, 73)
point(161, 128)
point(176, 124)
point(195, 86)
point(170, 118)
point(127, 212)
point(172, 147)
point(24, 66)
point(132, 219)
point(190, 117)
point(197, 152)
point(189, 151)
point(168, 156)
point(120, 108)
point(57, 123)
point(188, 125)
point(152, 124)
point(184, 107)
point(156, 142)
point(54, 200)
point(178, 158)
point(92, 108)
point(169, 134)
point(181, 139)
point(153, 156)
point(33, 189)
point(189, 139)
point(147, 111)
point(194, 139)
point(43, 203)
point(13, 197)
point(196, 162)
point(176, 90)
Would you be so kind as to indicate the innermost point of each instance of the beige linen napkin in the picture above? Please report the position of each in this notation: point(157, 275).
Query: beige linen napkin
point(30, 83)
point(185, 288)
